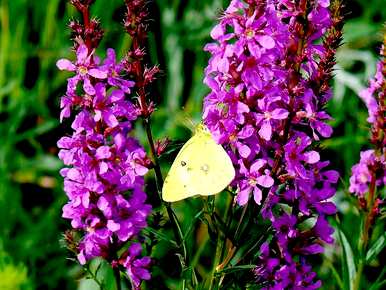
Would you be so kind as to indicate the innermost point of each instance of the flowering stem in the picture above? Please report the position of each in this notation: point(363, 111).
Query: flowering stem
point(136, 26)
point(231, 249)
point(157, 169)
point(228, 215)
point(365, 232)
point(85, 10)
point(159, 182)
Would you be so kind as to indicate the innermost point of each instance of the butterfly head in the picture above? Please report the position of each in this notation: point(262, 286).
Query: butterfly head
point(202, 129)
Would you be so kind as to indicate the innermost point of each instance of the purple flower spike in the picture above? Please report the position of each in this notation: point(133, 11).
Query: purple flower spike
point(105, 167)
point(269, 82)
point(370, 172)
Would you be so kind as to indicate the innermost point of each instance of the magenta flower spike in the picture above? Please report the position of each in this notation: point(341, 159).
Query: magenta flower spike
point(104, 177)
point(368, 178)
point(371, 168)
point(105, 167)
point(268, 80)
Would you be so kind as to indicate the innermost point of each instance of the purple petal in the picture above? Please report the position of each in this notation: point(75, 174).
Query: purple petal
point(217, 32)
point(65, 64)
point(135, 249)
point(266, 130)
point(87, 86)
point(110, 119)
point(103, 152)
point(257, 195)
point(279, 114)
point(74, 174)
point(141, 170)
point(243, 196)
point(82, 53)
point(81, 258)
point(311, 157)
point(324, 129)
point(243, 150)
point(103, 203)
point(110, 59)
point(113, 226)
point(331, 175)
point(116, 96)
point(265, 180)
point(324, 3)
point(97, 73)
point(255, 167)
point(266, 41)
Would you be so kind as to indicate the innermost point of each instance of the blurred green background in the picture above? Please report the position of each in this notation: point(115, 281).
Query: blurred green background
point(34, 36)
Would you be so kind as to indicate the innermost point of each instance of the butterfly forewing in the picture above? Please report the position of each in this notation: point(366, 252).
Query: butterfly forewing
point(176, 184)
point(201, 167)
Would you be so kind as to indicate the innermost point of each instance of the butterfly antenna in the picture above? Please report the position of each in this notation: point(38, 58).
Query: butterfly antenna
point(187, 121)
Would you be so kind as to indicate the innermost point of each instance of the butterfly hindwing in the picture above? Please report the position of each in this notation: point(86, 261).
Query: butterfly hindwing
point(212, 167)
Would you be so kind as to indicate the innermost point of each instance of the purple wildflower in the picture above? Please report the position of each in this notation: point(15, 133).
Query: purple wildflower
point(370, 172)
point(269, 84)
point(85, 69)
point(362, 173)
point(136, 267)
point(254, 178)
point(369, 95)
point(105, 167)
point(114, 70)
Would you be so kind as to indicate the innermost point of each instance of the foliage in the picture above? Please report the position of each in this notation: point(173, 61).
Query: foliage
point(34, 37)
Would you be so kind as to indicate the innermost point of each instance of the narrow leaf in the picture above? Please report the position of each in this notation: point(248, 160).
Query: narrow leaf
point(348, 261)
point(160, 236)
point(379, 282)
point(379, 285)
point(376, 248)
point(235, 269)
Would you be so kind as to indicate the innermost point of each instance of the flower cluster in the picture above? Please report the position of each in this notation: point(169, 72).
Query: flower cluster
point(370, 172)
point(266, 108)
point(371, 166)
point(105, 167)
point(104, 177)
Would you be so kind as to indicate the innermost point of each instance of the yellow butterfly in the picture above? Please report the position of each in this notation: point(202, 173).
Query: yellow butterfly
point(201, 167)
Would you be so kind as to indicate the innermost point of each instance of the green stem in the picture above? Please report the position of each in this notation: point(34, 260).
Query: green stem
point(365, 236)
point(117, 276)
point(215, 262)
point(241, 221)
point(358, 275)
point(179, 236)
point(229, 216)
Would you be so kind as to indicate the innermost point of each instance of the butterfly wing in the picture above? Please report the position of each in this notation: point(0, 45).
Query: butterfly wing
point(177, 183)
point(201, 167)
point(212, 168)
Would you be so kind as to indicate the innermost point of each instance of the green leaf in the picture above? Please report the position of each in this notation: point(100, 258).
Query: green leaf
point(193, 224)
point(160, 236)
point(334, 273)
point(235, 269)
point(376, 248)
point(349, 268)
